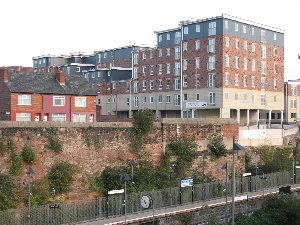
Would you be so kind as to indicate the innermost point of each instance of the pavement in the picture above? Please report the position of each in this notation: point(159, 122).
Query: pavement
point(148, 215)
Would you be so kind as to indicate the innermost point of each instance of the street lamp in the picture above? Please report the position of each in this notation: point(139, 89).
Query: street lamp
point(172, 166)
point(203, 164)
point(292, 160)
point(125, 177)
point(224, 167)
point(236, 146)
point(29, 172)
point(132, 163)
point(263, 177)
point(54, 206)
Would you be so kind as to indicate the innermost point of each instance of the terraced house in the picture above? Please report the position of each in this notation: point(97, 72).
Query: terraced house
point(46, 97)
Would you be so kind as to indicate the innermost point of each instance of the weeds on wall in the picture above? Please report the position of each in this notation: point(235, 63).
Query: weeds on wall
point(54, 143)
point(217, 146)
point(28, 155)
point(10, 192)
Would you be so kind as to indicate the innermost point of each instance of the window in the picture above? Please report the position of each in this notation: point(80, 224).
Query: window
point(24, 99)
point(159, 38)
point(293, 115)
point(168, 68)
point(77, 69)
point(151, 99)
point(160, 99)
point(159, 68)
point(275, 51)
point(177, 100)
point(211, 80)
point(236, 80)
point(253, 97)
point(212, 98)
point(186, 30)
point(197, 80)
point(245, 45)
point(275, 83)
point(294, 90)
point(197, 43)
point(236, 44)
point(236, 26)
point(252, 30)
point(227, 61)
point(263, 83)
point(168, 37)
point(275, 98)
point(151, 54)
point(151, 70)
point(159, 52)
point(211, 63)
point(80, 101)
point(197, 63)
point(128, 100)
point(263, 36)
point(226, 95)
point(263, 68)
point(293, 103)
point(227, 41)
point(185, 81)
point(226, 78)
point(135, 101)
point(144, 85)
point(144, 70)
point(177, 69)
point(151, 84)
point(79, 117)
point(135, 87)
point(263, 52)
point(177, 84)
point(245, 64)
point(23, 116)
point(212, 45)
point(253, 82)
point(244, 29)
point(168, 99)
point(245, 97)
point(236, 62)
point(98, 101)
point(197, 97)
point(275, 68)
point(168, 83)
point(253, 47)
point(197, 28)
point(145, 100)
point(177, 38)
point(274, 37)
point(44, 60)
point(177, 53)
point(135, 72)
point(263, 100)
point(58, 100)
point(185, 62)
point(185, 46)
point(245, 81)
point(212, 28)
point(226, 24)
point(236, 96)
point(135, 58)
point(144, 55)
point(59, 117)
point(168, 51)
point(253, 64)
point(160, 85)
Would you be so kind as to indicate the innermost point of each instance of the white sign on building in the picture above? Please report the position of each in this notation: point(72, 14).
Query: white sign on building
point(254, 134)
point(195, 105)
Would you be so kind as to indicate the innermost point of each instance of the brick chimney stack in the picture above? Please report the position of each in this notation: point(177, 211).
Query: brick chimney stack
point(4, 74)
point(60, 76)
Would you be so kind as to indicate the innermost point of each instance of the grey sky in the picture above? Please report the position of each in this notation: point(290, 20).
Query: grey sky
point(37, 27)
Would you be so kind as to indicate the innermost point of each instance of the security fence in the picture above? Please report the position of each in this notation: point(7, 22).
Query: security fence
point(113, 205)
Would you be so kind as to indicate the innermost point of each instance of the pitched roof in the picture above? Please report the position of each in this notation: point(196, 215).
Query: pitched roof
point(46, 83)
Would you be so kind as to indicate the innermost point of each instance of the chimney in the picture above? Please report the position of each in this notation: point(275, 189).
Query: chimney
point(60, 76)
point(4, 74)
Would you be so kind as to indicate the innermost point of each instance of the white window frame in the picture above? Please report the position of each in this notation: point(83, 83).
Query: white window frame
point(159, 69)
point(236, 26)
point(227, 41)
point(185, 81)
point(177, 100)
point(197, 44)
point(226, 79)
point(80, 101)
point(151, 87)
point(177, 84)
point(135, 101)
point(245, 45)
point(211, 64)
point(168, 83)
point(159, 52)
point(293, 103)
point(264, 68)
point(253, 64)
point(237, 62)
point(237, 44)
point(197, 63)
point(226, 95)
point(245, 80)
point(253, 47)
point(24, 99)
point(198, 28)
point(211, 80)
point(59, 98)
point(160, 84)
point(236, 96)
point(263, 52)
point(185, 64)
point(59, 117)
point(244, 29)
point(212, 98)
point(23, 116)
point(184, 46)
point(253, 97)
point(211, 45)
point(151, 99)
point(245, 63)
point(236, 80)
point(160, 99)
point(186, 30)
point(79, 118)
point(245, 97)
point(144, 85)
point(275, 68)
point(168, 50)
point(168, 99)
point(168, 36)
point(77, 69)
point(253, 81)
point(212, 27)
point(294, 90)
point(226, 24)
point(263, 99)
point(160, 38)
point(168, 68)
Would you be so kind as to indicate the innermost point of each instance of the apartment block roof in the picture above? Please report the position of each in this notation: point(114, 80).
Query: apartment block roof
point(46, 83)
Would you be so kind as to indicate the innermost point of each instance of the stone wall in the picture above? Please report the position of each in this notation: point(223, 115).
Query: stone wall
point(109, 145)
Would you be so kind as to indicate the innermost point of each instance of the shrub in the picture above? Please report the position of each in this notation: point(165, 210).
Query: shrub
point(9, 192)
point(217, 146)
point(61, 176)
point(40, 193)
point(28, 155)
point(16, 163)
point(55, 144)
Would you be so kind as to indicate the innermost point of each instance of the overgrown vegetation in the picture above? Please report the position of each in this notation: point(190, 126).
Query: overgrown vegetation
point(142, 124)
point(9, 192)
point(61, 176)
point(54, 143)
point(28, 154)
point(16, 163)
point(217, 146)
point(40, 193)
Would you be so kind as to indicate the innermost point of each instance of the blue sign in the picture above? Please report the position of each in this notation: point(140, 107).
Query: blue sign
point(186, 183)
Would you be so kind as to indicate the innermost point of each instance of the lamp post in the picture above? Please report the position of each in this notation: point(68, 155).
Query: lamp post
point(132, 163)
point(125, 177)
point(224, 167)
point(30, 172)
point(172, 166)
point(263, 177)
point(292, 160)
point(235, 147)
point(203, 164)
point(54, 206)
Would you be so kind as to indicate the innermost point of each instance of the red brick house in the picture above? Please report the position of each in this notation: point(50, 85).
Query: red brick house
point(46, 97)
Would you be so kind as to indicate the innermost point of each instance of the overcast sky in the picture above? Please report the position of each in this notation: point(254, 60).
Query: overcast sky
point(37, 27)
